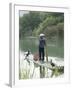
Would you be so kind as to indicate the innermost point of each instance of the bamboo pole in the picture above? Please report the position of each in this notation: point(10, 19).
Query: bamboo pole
point(46, 50)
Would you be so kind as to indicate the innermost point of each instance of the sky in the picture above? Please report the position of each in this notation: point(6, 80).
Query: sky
point(22, 12)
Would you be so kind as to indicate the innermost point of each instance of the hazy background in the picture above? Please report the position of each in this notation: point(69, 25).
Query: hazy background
point(32, 23)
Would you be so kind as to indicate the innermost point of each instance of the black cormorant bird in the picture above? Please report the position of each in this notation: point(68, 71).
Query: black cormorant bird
point(52, 64)
point(27, 54)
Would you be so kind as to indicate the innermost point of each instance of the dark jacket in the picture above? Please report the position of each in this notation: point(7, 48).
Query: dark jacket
point(42, 42)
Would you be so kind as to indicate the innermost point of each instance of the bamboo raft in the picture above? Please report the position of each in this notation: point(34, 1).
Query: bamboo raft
point(46, 65)
point(43, 64)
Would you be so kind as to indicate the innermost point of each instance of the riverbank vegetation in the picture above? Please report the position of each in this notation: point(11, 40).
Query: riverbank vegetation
point(34, 23)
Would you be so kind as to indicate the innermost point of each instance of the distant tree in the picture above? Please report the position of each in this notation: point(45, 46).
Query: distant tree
point(28, 22)
point(34, 23)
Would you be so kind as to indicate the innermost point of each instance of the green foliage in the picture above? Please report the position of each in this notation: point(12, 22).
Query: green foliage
point(49, 25)
point(28, 22)
point(34, 23)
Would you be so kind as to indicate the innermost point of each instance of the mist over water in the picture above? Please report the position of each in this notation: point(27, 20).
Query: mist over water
point(55, 48)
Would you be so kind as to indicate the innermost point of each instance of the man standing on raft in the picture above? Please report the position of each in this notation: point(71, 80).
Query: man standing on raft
point(42, 43)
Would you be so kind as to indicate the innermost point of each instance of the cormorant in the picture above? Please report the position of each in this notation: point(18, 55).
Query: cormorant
point(53, 64)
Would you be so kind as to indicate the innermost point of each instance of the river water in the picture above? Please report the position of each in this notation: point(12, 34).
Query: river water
point(55, 52)
point(55, 47)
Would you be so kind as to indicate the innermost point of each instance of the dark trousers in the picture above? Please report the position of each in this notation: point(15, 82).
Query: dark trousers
point(41, 53)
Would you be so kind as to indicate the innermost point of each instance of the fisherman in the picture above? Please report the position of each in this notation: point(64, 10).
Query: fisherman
point(42, 43)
